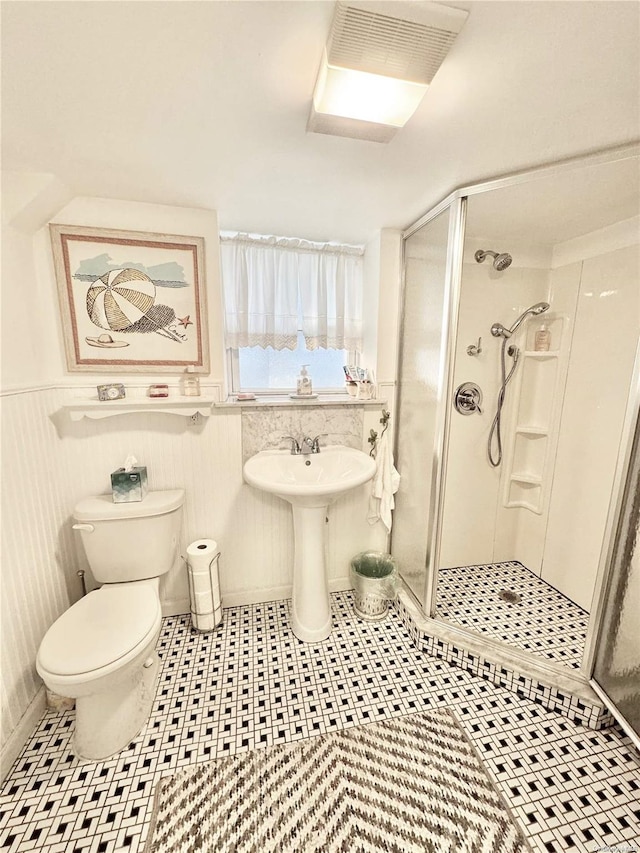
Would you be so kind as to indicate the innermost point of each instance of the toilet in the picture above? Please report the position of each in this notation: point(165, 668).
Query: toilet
point(101, 652)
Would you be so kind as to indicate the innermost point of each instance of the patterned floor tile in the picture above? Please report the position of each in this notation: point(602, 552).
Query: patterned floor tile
point(543, 621)
point(252, 684)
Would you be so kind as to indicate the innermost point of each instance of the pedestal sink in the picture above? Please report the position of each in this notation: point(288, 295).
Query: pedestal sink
point(309, 482)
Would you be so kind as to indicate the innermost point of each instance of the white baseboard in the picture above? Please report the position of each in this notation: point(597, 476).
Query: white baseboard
point(274, 593)
point(179, 606)
point(19, 737)
point(175, 607)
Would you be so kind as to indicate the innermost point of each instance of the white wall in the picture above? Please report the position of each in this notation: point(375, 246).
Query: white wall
point(390, 275)
point(474, 490)
point(28, 201)
point(607, 324)
point(535, 397)
point(49, 462)
point(38, 557)
point(593, 283)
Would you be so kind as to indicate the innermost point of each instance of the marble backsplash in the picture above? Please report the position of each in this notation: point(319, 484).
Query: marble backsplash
point(263, 429)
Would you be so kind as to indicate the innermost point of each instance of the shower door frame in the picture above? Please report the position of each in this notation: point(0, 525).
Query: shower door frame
point(610, 546)
point(453, 286)
point(456, 208)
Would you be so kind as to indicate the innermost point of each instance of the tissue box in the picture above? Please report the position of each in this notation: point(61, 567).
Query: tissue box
point(130, 485)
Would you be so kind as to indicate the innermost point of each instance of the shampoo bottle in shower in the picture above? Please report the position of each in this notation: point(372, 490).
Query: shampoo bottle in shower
point(304, 382)
point(542, 339)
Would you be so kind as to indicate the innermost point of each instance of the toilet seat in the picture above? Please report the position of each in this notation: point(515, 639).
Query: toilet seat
point(101, 632)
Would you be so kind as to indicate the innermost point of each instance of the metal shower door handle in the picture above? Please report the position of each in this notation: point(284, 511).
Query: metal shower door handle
point(468, 398)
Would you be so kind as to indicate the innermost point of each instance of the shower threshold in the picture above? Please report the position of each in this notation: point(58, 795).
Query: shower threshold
point(507, 602)
point(527, 666)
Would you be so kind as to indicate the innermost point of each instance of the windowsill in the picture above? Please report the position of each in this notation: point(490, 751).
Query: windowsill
point(284, 401)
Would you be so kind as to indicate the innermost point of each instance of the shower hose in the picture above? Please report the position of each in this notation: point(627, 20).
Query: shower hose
point(514, 352)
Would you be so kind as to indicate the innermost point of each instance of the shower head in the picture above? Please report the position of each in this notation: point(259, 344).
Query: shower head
point(499, 331)
point(500, 262)
point(538, 308)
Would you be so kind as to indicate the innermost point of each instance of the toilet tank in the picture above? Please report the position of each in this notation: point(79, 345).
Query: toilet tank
point(130, 541)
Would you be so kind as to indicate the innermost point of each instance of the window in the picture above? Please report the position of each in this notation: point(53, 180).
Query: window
point(269, 369)
point(290, 302)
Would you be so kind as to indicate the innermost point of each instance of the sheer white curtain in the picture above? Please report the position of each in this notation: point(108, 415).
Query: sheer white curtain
point(271, 284)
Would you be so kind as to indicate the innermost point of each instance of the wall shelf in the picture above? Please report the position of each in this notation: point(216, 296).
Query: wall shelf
point(529, 457)
point(532, 430)
point(521, 477)
point(540, 355)
point(97, 409)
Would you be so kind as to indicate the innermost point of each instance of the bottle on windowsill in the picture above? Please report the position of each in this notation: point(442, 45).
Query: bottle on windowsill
point(304, 386)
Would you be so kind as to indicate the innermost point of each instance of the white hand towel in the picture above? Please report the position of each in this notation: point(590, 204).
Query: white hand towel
point(384, 485)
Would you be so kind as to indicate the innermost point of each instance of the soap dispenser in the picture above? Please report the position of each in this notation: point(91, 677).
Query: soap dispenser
point(304, 382)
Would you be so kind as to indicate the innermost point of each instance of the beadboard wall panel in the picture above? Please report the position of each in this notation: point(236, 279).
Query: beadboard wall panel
point(38, 561)
point(50, 463)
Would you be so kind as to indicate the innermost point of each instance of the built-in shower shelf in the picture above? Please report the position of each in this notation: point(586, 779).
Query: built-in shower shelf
point(525, 490)
point(531, 449)
point(540, 355)
point(532, 430)
point(521, 477)
point(97, 409)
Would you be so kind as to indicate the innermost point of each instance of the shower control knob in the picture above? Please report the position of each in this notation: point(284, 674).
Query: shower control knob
point(468, 399)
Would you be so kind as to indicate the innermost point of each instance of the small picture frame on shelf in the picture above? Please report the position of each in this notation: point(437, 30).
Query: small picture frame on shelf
point(114, 391)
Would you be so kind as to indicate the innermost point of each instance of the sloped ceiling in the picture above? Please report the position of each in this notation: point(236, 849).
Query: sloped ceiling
point(205, 104)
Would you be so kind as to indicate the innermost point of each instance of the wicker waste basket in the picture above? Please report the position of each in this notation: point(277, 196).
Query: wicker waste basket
point(374, 576)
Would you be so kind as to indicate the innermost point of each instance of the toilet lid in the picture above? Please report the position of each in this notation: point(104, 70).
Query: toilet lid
point(99, 629)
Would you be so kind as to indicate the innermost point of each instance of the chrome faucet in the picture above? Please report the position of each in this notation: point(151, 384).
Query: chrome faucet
point(312, 445)
point(295, 444)
point(306, 446)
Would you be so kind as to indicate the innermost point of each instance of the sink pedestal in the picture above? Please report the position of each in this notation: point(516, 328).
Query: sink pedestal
point(311, 608)
point(309, 482)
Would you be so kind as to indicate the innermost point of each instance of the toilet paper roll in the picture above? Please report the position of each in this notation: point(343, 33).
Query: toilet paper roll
point(204, 584)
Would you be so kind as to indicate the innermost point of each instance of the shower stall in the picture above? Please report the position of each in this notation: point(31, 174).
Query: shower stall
point(516, 405)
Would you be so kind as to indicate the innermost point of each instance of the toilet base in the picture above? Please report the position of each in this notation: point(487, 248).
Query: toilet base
point(107, 721)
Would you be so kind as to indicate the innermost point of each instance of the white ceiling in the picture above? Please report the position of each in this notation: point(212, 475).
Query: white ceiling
point(205, 104)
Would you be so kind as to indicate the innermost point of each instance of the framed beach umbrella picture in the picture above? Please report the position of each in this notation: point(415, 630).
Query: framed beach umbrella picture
point(131, 301)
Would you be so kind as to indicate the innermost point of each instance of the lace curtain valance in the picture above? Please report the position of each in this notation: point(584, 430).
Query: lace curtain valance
point(274, 285)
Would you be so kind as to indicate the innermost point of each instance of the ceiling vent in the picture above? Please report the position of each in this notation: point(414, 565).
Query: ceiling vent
point(377, 51)
point(390, 46)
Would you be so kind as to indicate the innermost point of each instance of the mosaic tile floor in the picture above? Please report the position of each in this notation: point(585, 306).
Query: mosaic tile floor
point(544, 622)
point(252, 684)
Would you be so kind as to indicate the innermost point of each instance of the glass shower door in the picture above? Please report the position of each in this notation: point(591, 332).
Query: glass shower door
point(617, 659)
point(421, 414)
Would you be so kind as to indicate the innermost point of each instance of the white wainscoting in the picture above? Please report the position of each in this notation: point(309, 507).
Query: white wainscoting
point(38, 563)
point(50, 463)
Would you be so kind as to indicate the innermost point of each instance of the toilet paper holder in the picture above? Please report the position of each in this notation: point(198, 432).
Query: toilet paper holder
point(204, 585)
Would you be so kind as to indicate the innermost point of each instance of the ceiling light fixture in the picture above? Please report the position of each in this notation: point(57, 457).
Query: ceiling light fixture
point(377, 65)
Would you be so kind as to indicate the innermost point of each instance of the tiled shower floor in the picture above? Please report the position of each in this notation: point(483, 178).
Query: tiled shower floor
point(544, 622)
point(252, 684)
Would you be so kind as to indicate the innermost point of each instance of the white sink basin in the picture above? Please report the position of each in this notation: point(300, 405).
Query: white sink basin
point(310, 483)
point(310, 480)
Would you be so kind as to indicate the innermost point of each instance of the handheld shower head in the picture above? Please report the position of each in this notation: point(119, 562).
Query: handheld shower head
point(500, 261)
point(499, 331)
point(539, 308)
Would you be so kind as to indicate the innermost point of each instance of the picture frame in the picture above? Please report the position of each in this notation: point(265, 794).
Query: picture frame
point(131, 301)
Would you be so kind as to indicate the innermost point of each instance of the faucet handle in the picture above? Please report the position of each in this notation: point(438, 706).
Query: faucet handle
point(295, 444)
point(315, 444)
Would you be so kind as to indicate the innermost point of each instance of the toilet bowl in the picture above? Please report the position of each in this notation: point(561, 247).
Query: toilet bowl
point(101, 651)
